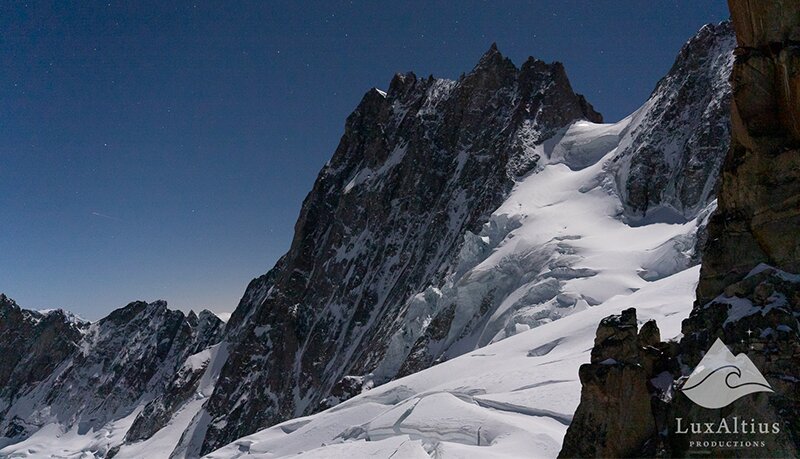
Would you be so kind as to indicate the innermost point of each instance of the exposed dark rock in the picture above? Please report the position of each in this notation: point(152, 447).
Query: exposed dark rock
point(758, 216)
point(649, 334)
point(347, 387)
point(415, 169)
point(421, 356)
point(184, 384)
point(757, 316)
point(668, 172)
point(32, 346)
point(81, 374)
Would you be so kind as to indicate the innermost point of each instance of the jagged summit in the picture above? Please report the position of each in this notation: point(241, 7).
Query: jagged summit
point(413, 172)
point(495, 72)
point(7, 302)
point(493, 60)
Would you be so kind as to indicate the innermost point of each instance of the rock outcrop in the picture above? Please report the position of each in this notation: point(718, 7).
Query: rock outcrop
point(632, 395)
point(757, 316)
point(758, 212)
point(614, 418)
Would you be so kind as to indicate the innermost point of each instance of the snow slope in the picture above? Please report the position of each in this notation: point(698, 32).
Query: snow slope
point(558, 247)
point(509, 399)
point(559, 244)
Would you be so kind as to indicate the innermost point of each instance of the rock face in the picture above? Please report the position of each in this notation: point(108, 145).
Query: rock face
point(757, 222)
point(626, 390)
point(668, 170)
point(757, 316)
point(185, 381)
point(60, 369)
point(33, 345)
point(416, 168)
point(759, 200)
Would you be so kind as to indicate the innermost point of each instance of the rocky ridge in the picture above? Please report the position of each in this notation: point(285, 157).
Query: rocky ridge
point(84, 375)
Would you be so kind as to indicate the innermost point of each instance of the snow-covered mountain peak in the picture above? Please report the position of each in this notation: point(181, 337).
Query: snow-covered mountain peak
point(453, 218)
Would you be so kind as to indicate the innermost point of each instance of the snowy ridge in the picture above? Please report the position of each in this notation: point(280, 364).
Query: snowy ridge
point(115, 369)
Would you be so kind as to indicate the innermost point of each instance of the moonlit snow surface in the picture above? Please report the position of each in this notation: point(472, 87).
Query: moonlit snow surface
point(559, 253)
point(513, 398)
point(516, 396)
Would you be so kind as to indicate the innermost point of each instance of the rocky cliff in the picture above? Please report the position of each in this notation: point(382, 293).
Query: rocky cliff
point(668, 171)
point(758, 215)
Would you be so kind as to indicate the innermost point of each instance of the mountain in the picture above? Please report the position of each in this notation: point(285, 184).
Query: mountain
point(417, 168)
point(403, 255)
point(565, 244)
point(453, 218)
point(62, 370)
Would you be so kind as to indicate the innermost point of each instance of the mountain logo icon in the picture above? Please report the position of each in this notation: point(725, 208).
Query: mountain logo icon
point(721, 378)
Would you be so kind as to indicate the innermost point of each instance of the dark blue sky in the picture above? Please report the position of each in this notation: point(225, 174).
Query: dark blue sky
point(152, 151)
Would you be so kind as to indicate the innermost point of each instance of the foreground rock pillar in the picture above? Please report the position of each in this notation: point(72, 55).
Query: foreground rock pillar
point(614, 418)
